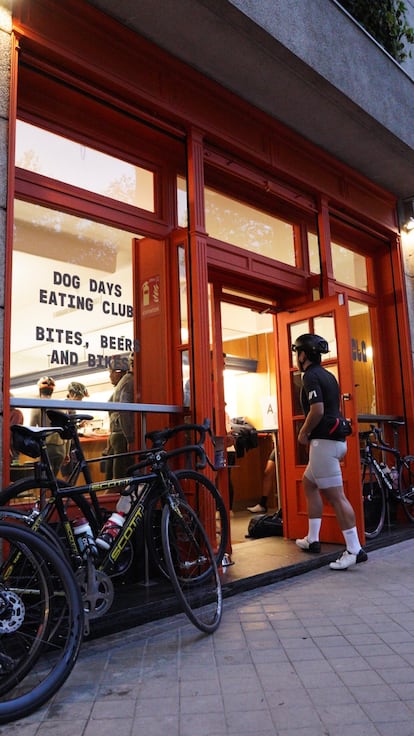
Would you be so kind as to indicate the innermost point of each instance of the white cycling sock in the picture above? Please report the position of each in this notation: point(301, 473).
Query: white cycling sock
point(314, 529)
point(352, 542)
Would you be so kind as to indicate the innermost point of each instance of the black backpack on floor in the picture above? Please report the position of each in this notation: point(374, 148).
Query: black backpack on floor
point(266, 525)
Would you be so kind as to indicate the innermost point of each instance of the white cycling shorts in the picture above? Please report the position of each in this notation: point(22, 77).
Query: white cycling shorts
point(323, 468)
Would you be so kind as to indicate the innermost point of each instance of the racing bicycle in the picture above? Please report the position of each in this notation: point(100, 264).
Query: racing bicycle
point(387, 479)
point(182, 551)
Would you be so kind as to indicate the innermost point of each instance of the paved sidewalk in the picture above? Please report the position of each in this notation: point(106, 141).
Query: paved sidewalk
point(323, 654)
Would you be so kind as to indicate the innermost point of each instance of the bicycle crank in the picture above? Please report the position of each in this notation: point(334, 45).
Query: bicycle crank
point(97, 592)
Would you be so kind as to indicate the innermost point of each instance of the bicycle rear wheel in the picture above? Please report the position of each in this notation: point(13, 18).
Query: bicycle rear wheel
point(406, 486)
point(373, 500)
point(191, 565)
point(37, 587)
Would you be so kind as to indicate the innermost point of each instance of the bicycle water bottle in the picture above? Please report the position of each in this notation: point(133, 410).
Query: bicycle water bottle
point(394, 477)
point(110, 530)
point(84, 536)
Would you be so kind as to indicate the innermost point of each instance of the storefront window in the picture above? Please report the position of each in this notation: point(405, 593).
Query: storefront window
point(349, 268)
point(240, 224)
point(182, 208)
point(313, 249)
point(363, 358)
point(70, 162)
point(72, 300)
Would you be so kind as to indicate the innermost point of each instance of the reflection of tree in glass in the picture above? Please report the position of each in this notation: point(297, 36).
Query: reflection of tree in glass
point(30, 161)
point(232, 226)
point(123, 189)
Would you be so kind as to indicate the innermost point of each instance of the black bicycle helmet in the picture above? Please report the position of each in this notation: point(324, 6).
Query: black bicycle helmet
point(312, 345)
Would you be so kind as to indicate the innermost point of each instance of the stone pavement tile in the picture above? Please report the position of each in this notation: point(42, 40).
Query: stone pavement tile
point(291, 716)
point(319, 679)
point(248, 721)
point(350, 663)
point(330, 695)
point(242, 702)
point(361, 677)
point(188, 689)
point(385, 662)
point(159, 687)
point(193, 725)
point(396, 675)
point(64, 728)
point(341, 714)
point(20, 728)
point(201, 704)
point(390, 711)
point(70, 711)
point(155, 726)
point(402, 728)
point(286, 696)
point(372, 693)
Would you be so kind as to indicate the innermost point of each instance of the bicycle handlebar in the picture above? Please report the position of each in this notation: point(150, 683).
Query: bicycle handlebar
point(160, 437)
point(156, 455)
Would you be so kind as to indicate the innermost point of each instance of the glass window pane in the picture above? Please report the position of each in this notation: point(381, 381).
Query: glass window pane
point(182, 288)
point(234, 222)
point(72, 300)
point(70, 162)
point(182, 207)
point(325, 327)
point(313, 247)
point(363, 358)
point(348, 267)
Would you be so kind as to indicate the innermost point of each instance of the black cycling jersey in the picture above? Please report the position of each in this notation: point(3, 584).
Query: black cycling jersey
point(320, 386)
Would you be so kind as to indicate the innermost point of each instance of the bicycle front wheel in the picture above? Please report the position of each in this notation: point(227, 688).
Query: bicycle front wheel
point(373, 500)
point(406, 486)
point(206, 500)
point(37, 587)
point(191, 565)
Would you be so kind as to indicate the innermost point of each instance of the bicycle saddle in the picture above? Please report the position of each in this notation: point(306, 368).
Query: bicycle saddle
point(29, 439)
point(60, 419)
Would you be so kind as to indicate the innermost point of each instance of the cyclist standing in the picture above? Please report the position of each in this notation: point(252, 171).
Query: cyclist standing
point(320, 399)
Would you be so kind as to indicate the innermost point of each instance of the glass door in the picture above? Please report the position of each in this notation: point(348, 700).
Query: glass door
point(330, 319)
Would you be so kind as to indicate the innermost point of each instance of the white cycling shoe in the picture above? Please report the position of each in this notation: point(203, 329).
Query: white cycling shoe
point(347, 559)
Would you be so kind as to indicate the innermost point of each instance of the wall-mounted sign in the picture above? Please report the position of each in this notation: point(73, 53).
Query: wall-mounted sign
point(150, 297)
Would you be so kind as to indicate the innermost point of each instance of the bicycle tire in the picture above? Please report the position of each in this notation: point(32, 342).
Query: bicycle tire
point(374, 502)
point(406, 486)
point(191, 565)
point(206, 500)
point(37, 585)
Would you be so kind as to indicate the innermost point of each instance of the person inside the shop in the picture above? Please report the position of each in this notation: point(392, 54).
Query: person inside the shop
point(76, 392)
point(56, 446)
point(322, 479)
point(269, 476)
point(16, 417)
point(121, 440)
